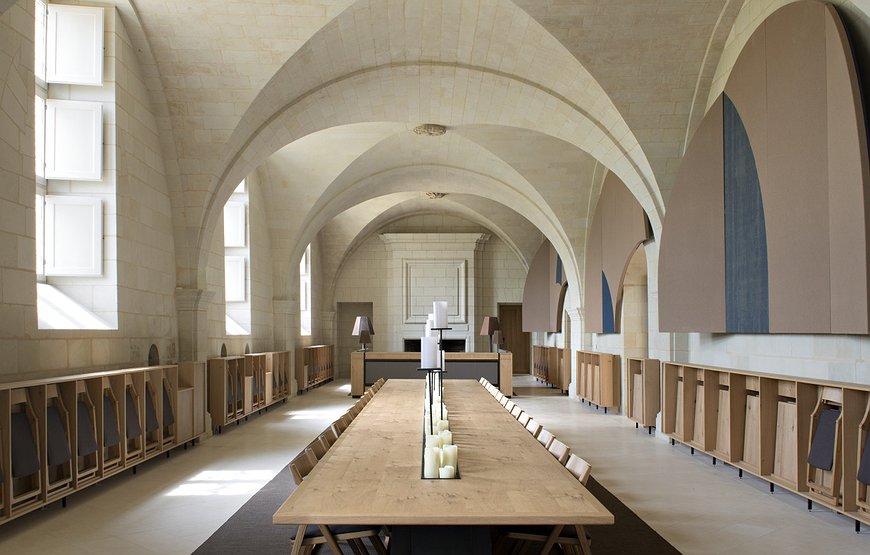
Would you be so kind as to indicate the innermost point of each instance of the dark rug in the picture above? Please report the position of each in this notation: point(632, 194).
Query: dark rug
point(250, 530)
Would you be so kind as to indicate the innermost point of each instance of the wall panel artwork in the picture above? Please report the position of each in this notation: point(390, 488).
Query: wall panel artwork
point(543, 291)
point(766, 228)
point(618, 227)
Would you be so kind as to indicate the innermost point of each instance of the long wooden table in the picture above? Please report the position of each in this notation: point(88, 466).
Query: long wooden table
point(371, 475)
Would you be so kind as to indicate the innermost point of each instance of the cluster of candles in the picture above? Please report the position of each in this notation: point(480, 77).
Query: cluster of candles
point(440, 455)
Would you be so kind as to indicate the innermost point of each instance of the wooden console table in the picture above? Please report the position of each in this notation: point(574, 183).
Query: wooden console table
point(366, 368)
point(371, 475)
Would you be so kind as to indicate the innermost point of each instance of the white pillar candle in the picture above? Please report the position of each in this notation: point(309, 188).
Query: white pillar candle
point(449, 455)
point(447, 472)
point(430, 463)
point(433, 441)
point(443, 425)
point(446, 437)
point(430, 323)
point(440, 310)
point(428, 352)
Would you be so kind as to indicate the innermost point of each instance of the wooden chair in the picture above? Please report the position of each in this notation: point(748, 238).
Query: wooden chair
point(545, 438)
point(317, 448)
point(483, 381)
point(524, 418)
point(574, 536)
point(579, 468)
point(559, 450)
point(533, 427)
point(311, 535)
point(517, 411)
point(328, 436)
point(509, 406)
point(504, 400)
point(353, 411)
point(338, 427)
point(498, 396)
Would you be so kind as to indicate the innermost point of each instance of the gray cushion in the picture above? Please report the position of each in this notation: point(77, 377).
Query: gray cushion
point(864, 469)
point(151, 423)
point(822, 450)
point(133, 427)
point(168, 417)
point(58, 442)
point(110, 423)
point(25, 459)
point(87, 441)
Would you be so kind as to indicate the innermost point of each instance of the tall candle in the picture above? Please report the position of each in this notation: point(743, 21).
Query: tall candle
point(430, 323)
point(440, 310)
point(447, 472)
point(430, 463)
point(449, 455)
point(428, 352)
point(433, 441)
point(443, 425)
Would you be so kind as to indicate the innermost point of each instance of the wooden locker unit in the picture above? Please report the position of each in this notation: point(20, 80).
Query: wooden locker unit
point(133, 427)
point(765, 424)
point(314, 366)
point(190, 412)
point(87, 443)
point(600, 377)
point(644, 390)
point(26, 484)
point(57, 472)
point(225, 389)
point(69, 432)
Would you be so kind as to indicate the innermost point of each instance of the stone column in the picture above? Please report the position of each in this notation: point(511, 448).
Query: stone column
point(192, 306)
point(284, 316)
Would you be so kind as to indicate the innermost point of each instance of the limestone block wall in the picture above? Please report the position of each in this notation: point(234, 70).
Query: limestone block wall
point(259, 293)
point(373, 273)
point(140, 231)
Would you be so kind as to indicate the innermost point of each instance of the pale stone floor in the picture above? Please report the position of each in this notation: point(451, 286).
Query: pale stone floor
point(172, 506)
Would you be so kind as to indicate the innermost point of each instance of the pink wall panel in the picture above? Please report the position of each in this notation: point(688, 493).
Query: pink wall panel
point(847, 175)
point(692, 253)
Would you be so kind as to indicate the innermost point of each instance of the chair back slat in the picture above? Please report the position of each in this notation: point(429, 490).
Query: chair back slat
point(545, 438)
point(579, 468)
point(559, 450)
point(533, 427)
point(302, 465)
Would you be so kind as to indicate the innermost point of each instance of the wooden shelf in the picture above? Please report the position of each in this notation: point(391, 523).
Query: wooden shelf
point(765, 424)
point(552, 365)
point(643, 387)
point(241, 385)
point(597, 378)
point(315, 365)
point(72, 430)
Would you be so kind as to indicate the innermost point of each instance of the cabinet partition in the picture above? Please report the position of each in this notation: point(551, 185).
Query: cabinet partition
point(806, 436)
point(59, 435)
point(596, 378)
point(240, 385)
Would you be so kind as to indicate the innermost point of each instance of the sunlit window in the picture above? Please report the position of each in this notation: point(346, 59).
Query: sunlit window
point(305, 292)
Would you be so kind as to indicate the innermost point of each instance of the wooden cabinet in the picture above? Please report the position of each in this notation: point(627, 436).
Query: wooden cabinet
point(315, 365)
point(643, 377)
point(552, 365)
point(597, 380)
point(806, 436)
point(68, 432)
point(240, 385)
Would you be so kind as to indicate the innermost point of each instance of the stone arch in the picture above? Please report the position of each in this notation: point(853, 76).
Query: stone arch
point(526, 79)
point(450, 180)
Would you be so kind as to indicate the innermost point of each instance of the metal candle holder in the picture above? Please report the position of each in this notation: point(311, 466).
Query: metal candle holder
point(430, 376)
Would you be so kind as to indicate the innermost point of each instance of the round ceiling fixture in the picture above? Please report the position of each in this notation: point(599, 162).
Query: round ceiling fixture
point(430, 129)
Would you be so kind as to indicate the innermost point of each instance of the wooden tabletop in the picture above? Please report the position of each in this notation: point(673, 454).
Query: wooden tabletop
point(371, 475)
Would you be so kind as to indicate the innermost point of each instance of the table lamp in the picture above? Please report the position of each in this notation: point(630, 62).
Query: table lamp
point(364, 329)
point(489, 327)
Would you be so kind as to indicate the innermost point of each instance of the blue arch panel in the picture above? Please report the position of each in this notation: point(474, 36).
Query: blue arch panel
point(606, 307)
point(746, 287)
